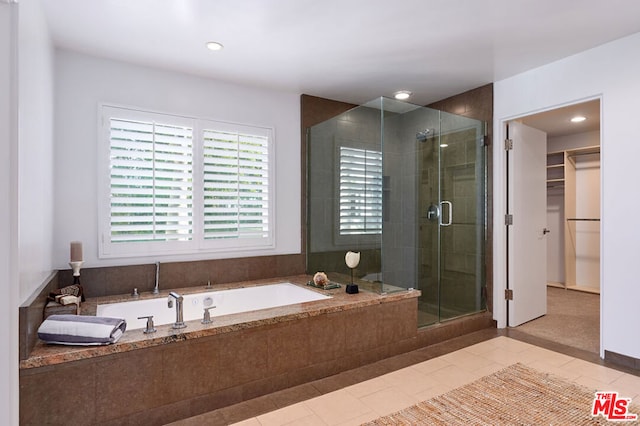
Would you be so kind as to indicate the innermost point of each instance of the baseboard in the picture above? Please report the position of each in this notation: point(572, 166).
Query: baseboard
point(622, 360)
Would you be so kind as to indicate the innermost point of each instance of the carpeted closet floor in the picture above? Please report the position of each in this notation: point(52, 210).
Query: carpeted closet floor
point(573, 319)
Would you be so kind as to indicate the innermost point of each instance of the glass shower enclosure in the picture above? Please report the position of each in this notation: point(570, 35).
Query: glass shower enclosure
point(405, 186)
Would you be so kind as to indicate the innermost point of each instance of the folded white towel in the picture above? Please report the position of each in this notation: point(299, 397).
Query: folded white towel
point(81, 330)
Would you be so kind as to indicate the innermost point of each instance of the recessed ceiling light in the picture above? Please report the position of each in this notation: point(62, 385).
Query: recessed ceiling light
point(578, 119)
point(402, 95)
point(214, 45)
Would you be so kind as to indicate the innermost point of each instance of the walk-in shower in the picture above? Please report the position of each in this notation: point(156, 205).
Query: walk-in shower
point(405, 186)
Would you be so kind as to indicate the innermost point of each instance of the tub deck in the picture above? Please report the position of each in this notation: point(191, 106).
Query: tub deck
point(46, 355)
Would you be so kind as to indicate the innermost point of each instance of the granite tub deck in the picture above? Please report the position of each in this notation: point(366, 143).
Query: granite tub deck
point(174, 374)
point(43, 354)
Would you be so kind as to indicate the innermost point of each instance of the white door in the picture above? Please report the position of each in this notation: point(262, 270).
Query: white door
point(527, 203)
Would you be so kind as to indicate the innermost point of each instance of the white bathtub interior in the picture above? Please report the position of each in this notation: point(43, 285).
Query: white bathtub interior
point(225, 301)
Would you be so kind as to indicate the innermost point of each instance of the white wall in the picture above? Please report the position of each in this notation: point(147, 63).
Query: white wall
point(610, 71)
point(8, 216)
point(35, 187)
point(82, 82)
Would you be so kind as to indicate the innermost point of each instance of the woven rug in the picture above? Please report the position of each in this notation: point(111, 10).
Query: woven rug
point(516, 395)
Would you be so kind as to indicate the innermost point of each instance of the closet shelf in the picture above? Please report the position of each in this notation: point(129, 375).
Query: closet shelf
point(566, 186)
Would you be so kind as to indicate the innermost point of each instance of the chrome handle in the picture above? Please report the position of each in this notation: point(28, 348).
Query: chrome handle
point(450, 221)
point(207, 315)
point(150, 327)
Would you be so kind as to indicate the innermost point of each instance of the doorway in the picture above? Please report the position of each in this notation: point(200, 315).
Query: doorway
point(573, 223)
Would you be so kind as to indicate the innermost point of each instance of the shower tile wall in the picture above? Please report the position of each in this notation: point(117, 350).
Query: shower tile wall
point(358, 128)
point(401, 153)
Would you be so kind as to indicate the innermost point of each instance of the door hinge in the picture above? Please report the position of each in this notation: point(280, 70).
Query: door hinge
point(508, 144)
point(508, 294)
point(508, 219)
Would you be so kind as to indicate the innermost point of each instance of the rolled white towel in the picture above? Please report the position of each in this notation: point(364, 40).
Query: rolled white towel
point(81, 330)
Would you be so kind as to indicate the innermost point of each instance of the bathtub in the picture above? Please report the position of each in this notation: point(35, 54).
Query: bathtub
point(226, 302)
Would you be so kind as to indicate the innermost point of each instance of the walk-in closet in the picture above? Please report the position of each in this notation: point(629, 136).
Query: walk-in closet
point(573, 211)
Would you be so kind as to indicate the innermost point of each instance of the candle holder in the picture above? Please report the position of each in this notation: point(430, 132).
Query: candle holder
point(352, 259)
point(75, 267)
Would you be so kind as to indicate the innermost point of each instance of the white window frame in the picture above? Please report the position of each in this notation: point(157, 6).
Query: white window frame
point(198, 244)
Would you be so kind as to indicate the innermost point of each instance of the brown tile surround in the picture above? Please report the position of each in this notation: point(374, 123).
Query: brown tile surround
point(107, 281)
point(30, 315)
point(169, 377)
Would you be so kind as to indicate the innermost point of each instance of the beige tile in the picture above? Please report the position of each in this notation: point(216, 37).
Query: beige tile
point(482, 347)
point(593, 371)
point(249, 422)
point(556, 371)
point(431, 365)
point(312, 420)
point(511, 345)
point(628, 386)
point(409, 380)
point(357, 421)
point(536, 354)
point(554, 359)
point(485, 371)
point(337, 407)
point(434, 391)
point(452, 375)
point(285, 415)
point(467, 360)
point(367, 387)
point(501, 356)
point(593, 384)
point(388, 401)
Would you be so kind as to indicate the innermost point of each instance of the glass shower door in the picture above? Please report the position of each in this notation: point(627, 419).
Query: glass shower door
point(452, 220)
point(429, 225)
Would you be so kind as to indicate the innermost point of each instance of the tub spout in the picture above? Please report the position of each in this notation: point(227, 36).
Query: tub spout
point(179, 310)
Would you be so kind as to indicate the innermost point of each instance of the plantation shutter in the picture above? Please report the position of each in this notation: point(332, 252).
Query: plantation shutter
point(360, 191)
point(236, 185)
point(151, 171)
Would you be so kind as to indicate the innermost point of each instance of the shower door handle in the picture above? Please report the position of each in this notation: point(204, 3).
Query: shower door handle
point(450, 221)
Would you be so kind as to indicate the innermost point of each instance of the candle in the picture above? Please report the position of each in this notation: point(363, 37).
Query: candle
point(76, 251)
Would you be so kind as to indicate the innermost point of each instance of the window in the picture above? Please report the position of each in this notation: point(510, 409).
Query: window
point(182, 185)
point(151, 181)
point(236, 185)
point(360, 191)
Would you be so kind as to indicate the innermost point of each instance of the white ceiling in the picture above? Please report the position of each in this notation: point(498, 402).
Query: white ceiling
point(557, 122)
point(350, 50)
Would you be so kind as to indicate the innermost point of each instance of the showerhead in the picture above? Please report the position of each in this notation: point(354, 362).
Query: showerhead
point(425, 134)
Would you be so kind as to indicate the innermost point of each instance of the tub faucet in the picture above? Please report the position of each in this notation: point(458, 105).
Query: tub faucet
point(179, 316)
point(156, 290)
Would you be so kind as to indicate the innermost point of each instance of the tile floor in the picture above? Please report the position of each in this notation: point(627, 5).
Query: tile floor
point(369, 399)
